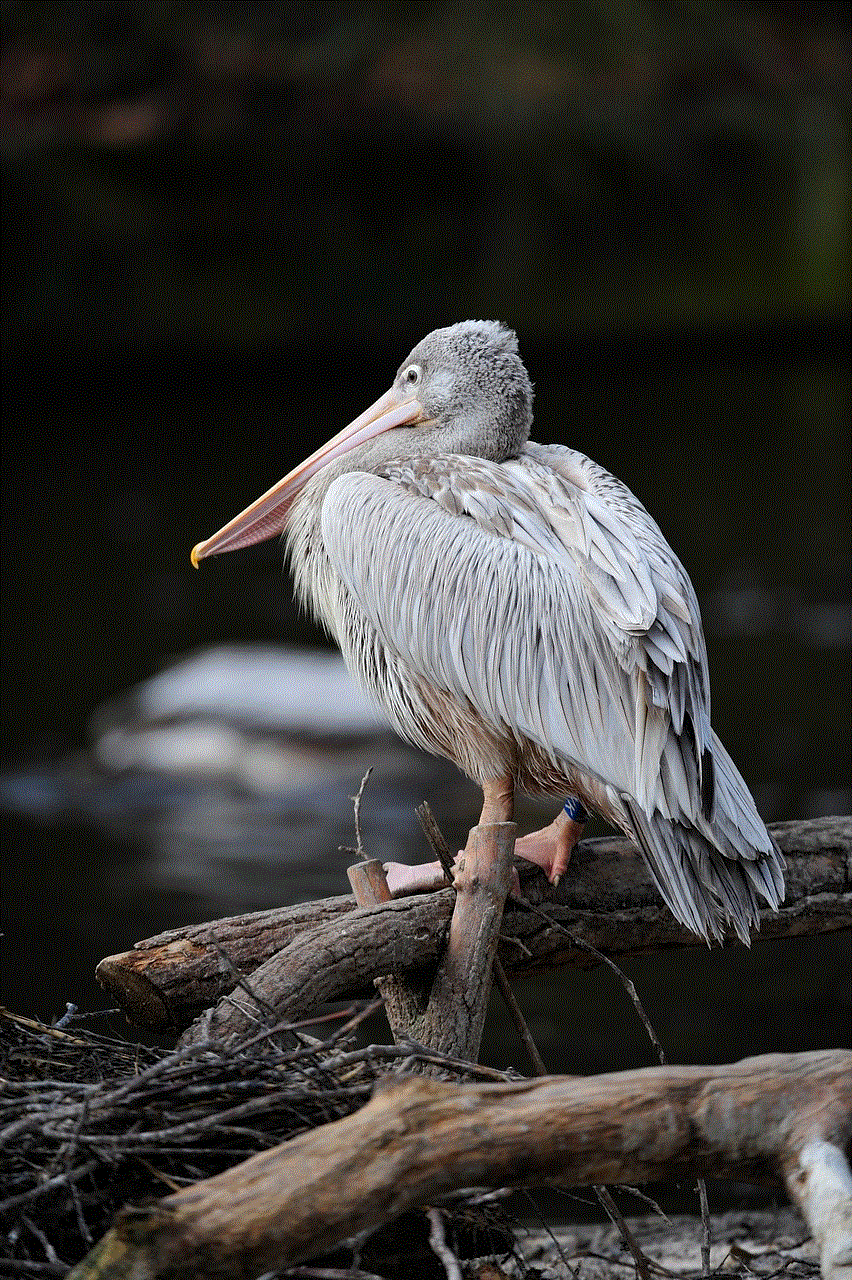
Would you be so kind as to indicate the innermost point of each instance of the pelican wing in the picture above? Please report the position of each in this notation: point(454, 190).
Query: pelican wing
point(661, 644)
point(541, 596)
point(541, 593)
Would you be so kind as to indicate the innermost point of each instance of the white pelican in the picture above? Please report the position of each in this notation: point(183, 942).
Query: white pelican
point(513, 607)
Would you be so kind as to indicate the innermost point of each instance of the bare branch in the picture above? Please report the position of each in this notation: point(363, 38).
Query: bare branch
point(606, 902)
point(356, 804)
point(759, 1120)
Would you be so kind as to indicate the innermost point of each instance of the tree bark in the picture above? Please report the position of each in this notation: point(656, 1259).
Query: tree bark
point(167, 980)
point(458, 1000)
point(767, 1119)
point(606, 900)
point(406, 998)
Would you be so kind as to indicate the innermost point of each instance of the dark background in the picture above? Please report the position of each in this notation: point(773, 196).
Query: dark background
point(224, 227)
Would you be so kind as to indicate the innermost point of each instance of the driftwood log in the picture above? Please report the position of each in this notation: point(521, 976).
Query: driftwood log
point(774, 1119)
point(298, 958)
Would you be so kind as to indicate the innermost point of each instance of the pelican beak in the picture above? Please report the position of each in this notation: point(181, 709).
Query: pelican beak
point(267, 514)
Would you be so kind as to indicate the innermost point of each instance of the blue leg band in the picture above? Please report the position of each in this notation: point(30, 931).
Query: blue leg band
point(575, 810)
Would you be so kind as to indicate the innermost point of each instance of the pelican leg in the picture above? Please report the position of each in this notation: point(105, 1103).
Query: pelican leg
point(552, 846)
point(498, 806)
point(498, 801)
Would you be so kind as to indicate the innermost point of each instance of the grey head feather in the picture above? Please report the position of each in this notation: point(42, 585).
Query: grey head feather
point(474, 385)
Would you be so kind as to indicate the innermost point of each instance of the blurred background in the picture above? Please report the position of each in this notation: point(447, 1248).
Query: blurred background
point(225, 224)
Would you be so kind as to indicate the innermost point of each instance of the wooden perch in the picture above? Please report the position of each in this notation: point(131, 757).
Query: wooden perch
point(606, 899)
point(406, 998)
point(317, 964)
point(776, 1118)
point(458, 1000)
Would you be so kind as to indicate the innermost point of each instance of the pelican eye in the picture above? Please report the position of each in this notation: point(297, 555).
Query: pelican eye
point(412, 375)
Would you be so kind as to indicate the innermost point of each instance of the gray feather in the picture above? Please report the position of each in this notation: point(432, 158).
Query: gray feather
point(514, 607)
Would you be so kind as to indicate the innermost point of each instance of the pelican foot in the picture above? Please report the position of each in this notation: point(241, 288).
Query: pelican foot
point(404, 879)
point(552, 846)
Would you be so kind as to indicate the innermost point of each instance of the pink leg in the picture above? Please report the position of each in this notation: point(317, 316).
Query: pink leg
point(498, 796)
point(550, 848)
point(498, 801)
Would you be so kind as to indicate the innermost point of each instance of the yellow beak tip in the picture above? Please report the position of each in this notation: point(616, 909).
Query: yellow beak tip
point(195, 555)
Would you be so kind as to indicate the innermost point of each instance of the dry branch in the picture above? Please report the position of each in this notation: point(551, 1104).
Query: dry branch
point(458, 1000)
point(405, 998)
point(766, 1119)
point(607, 900)
point(89, 1122)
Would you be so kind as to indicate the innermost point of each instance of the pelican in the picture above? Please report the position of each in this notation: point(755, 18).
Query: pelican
point(513, 607)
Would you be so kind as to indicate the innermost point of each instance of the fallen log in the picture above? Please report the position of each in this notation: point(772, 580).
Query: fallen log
point(167, 980)
point(607, 900)
point(772, 1119)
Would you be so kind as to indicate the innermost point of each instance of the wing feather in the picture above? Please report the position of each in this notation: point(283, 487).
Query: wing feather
point(540, 595)
point(545, 610)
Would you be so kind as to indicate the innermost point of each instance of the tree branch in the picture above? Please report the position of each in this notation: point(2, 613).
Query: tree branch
point(458, 1000)
point(767, 1119)
point(406, 998)
point(607, 900)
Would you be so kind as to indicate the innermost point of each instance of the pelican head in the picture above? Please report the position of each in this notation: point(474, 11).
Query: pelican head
point(473, 389)
point(463, 389)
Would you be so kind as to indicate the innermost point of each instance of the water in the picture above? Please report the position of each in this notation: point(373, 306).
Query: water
point(743, 461)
